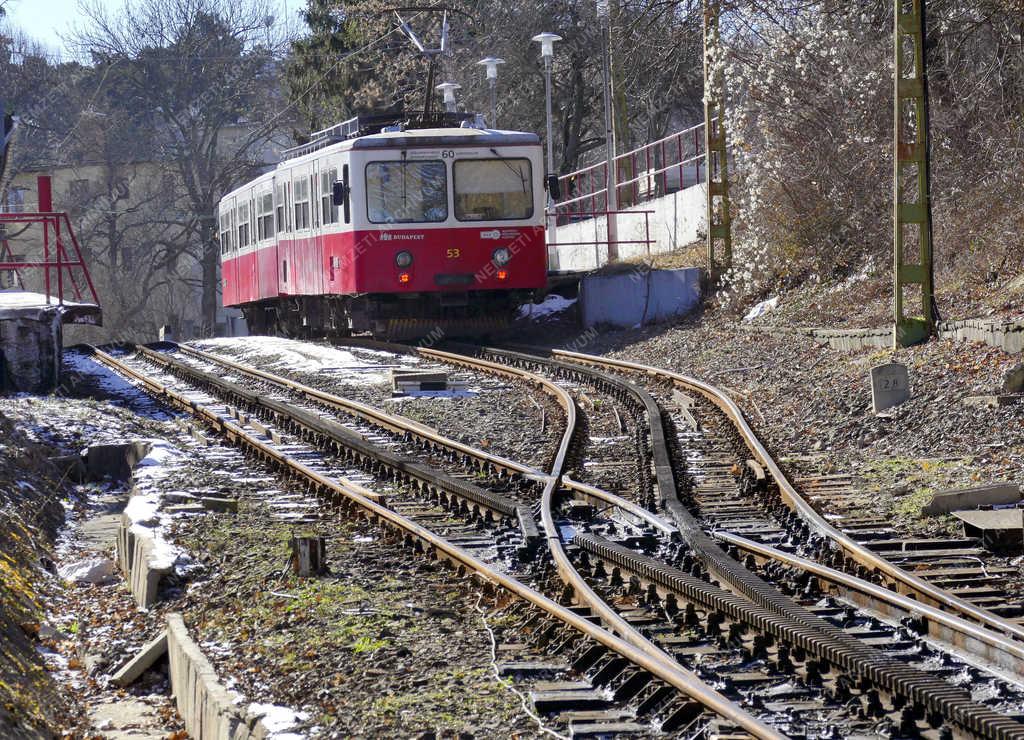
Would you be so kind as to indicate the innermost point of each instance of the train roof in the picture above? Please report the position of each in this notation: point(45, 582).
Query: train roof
point(369, 133)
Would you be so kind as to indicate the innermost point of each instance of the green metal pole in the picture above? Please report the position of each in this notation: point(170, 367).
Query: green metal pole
point(913, 275)
point(719, 239)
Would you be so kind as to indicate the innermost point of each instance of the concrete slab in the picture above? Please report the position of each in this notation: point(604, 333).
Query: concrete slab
point(996, 494)
point(220, 505)
point(114, 460)
point(142, 662)
point(1000, 530)
point(890, 386)
point(638, 297)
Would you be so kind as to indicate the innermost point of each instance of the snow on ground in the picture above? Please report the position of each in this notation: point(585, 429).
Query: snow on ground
point(762, 308)
point(306, 357)
point(552, 304)
point(279, 720)
point(143, 507)
point(87, 370)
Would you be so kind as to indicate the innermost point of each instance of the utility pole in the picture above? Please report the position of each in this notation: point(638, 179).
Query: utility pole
point(914, 311)
point(611, 174)
point(719, 240)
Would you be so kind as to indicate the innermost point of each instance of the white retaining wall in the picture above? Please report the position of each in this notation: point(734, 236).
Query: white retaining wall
point(678, 219)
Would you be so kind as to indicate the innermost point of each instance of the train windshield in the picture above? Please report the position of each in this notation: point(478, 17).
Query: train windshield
point(493, 189)
point(406, 192)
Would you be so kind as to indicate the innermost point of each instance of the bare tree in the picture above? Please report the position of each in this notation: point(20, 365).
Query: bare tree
point(201, 78)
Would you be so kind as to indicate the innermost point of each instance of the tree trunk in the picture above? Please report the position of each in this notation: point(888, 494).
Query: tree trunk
point(210, 277)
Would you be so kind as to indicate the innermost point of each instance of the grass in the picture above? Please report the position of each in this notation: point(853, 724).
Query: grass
point(919, 478)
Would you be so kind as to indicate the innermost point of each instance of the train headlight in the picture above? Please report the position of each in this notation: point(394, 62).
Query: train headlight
point(404, 278)
point(403, 259)
point(501, 256)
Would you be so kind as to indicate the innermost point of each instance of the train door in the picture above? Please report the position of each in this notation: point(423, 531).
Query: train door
point(263, 207)
point(269, 259)
point(313, 273)
point(329, 217)
point(285, 246)
point(228, 256)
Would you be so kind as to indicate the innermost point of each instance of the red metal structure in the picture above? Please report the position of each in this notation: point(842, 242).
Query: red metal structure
point(62, 266)
point(399, 225)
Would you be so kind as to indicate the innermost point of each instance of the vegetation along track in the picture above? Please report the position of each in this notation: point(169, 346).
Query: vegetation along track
point(634, 648)
point(923, 694)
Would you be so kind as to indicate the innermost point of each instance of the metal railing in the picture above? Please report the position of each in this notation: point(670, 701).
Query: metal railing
point(659, 168)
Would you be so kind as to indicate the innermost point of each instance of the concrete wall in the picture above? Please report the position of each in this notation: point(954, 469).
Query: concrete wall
point(639, 297)
point(678, 219)
point(30, 350)
point(1005, 335)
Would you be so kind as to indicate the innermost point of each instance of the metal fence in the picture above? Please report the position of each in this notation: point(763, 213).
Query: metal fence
point(648, 172)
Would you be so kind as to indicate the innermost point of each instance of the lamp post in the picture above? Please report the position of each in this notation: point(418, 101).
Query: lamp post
point(492, 79)
point(611, 198)
point(448, 90)
point(547, 52)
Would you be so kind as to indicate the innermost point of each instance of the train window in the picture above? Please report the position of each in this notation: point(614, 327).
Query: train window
point(328, 211)
point(493, 189)
point(281, 225)
point(406, 192)
point(225, 232)
point(265, 216)
point(243, 225)
point(300, 195)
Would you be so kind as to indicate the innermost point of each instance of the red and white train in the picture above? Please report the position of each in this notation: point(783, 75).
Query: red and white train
point(390, 225)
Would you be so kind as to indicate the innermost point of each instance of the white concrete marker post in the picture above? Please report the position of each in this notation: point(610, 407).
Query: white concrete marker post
point(890, 386)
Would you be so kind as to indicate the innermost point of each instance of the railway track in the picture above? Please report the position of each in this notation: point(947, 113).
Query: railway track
point(702, 651)
point(672, 593)
point(869, 559)
point(654, 689)
point(926, 691)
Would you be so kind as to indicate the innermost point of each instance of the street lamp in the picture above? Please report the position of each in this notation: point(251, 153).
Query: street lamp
point(611, 198)
point(492, 64)
point(448, 90)
point(547, 51)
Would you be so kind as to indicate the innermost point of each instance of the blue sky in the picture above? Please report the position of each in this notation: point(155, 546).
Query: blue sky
point(47, 20)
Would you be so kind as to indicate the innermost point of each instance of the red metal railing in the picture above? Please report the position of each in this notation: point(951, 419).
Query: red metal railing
point(58, 239)
point(648, 172)
point(597, 242)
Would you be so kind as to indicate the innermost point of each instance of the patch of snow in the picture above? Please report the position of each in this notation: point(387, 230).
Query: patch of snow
point(24, 299)
point(762, 308)
point(143, 509)
point(277, 353)
point(279, 720)
point(105, 379)
point(552, 304)
point(93, 570)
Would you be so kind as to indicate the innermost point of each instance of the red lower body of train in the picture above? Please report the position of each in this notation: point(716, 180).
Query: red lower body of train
point(394, 283)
